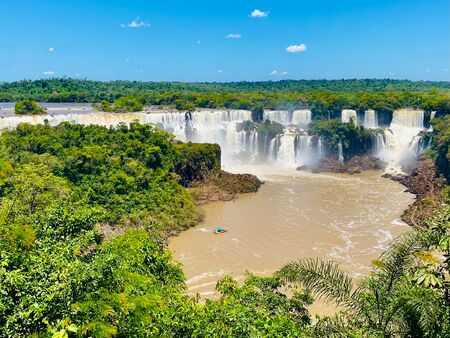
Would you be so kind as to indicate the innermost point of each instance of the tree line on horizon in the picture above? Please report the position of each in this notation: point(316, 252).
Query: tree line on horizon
point(326, 98)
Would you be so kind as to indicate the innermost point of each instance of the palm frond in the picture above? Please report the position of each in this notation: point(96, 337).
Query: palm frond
point(324, 278)
point(420, 305)
point(396, 259)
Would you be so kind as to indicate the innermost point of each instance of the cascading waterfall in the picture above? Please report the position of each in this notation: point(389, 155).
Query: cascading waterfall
point(286, 152)
point(340, 152)
point(348, 114)
point(103, 119)
point(400, 142)
point(274, 145)
point(410, 118)
point(402, 138)
point(370, 119)
point(253, 143)
point(279, 116)
point(301, 118)
point(379, 145)
point(418, 145)
point(308, 150)
point(209, 126)
point(432, 115)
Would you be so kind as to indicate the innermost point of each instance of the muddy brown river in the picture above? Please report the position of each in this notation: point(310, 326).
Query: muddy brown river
point(349, 219)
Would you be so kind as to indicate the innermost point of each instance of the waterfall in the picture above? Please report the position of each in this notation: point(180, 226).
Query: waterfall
point(410, 118)
point(103, 119)
point(370, 119)
point(398, 143)
point(418, 145)
point(254, 143)
point(303, 150)
point(279, 116)
point(218, 126)
point(402, 140)
point(273, 149)
point(347, 115)
point(379, 145)
point(301, 118)
point(340, 152)
point(432, 115)
point(286, 153)
point(308, 150)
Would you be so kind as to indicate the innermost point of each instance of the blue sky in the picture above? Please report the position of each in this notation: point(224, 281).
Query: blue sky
point(225, 40)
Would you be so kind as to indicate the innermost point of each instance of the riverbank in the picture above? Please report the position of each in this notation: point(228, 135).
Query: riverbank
point(427, 186)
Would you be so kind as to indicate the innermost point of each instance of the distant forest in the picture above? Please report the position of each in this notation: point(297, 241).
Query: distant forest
point(326, 98)
point(73, 90)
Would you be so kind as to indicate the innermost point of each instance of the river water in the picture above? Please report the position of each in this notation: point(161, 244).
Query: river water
point(349, 219)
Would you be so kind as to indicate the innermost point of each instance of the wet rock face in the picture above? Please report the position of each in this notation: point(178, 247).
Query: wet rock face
point(355, 165)
point(425, 183)
point(422, 181)
point(329, 165)
point(302, 168)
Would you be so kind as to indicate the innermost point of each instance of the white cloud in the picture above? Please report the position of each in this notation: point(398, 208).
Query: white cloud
point(51, 49)
point(220, 71)
point(198, 42)
point(297, 48)
point(233, 36)
point(135, 24)
point(259, 14)
point(49, 72)
point(277, 73)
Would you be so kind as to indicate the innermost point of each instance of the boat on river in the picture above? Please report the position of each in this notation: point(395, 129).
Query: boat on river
point(219, 230)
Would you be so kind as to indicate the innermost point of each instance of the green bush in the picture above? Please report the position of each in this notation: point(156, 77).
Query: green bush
point(28, 107)
point(356, 140)
point(195, 161)
point(127, 104)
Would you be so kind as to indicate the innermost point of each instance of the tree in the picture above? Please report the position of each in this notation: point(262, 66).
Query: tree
point(127, 104)
point(258, 113)
point(28, 107)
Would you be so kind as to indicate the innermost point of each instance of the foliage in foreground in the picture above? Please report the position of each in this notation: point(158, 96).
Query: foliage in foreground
point(407, 295)
point(69, 264)
point(440, 149)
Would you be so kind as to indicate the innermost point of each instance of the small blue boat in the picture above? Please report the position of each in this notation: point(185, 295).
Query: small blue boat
point(219, 230)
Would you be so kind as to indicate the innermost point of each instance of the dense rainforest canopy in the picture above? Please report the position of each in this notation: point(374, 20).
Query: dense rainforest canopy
point(325, 97)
